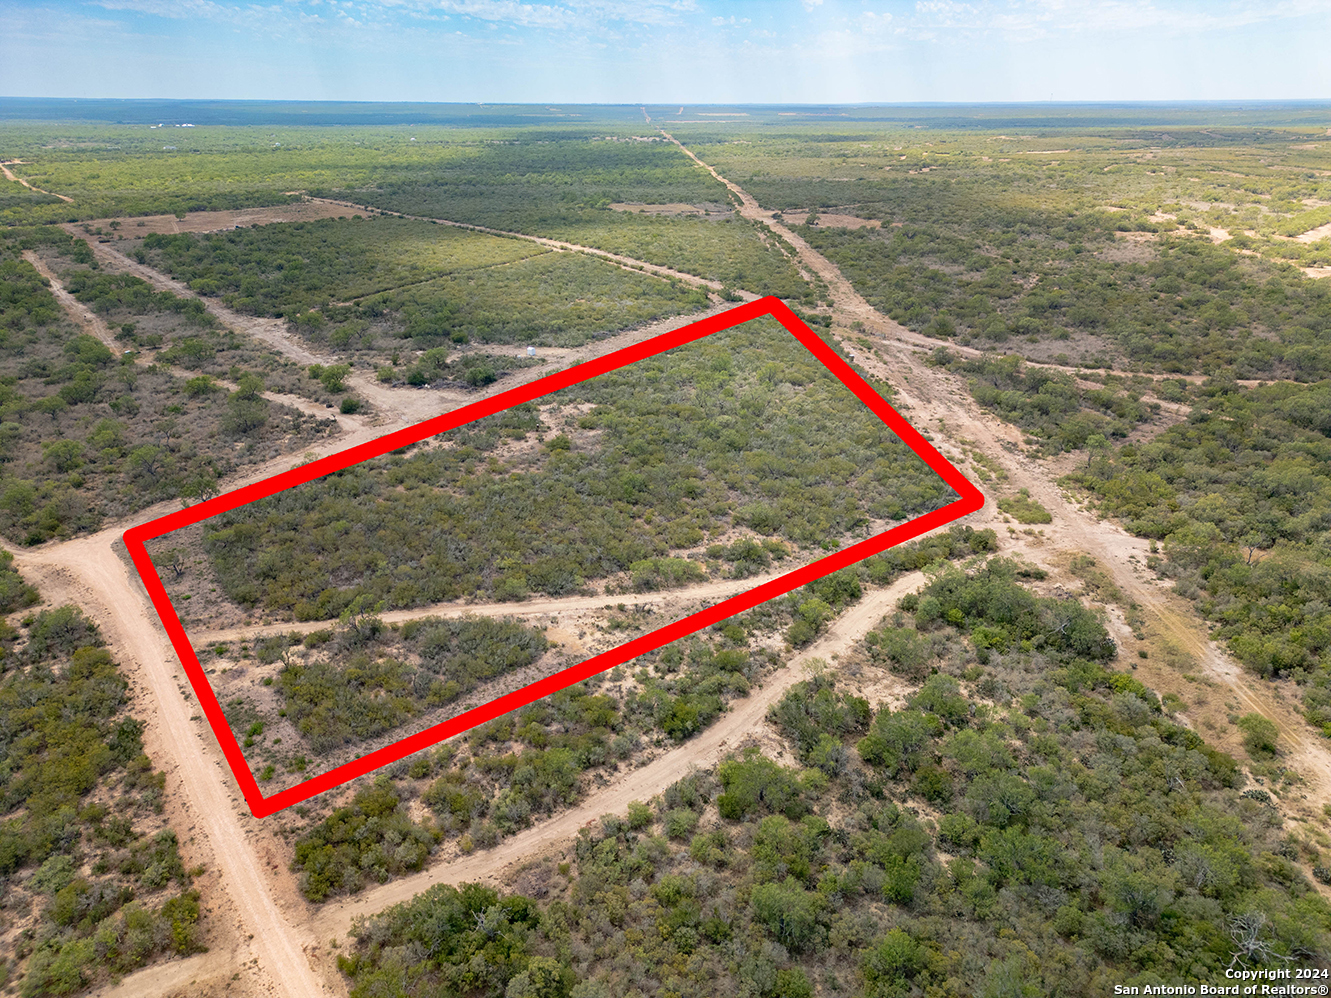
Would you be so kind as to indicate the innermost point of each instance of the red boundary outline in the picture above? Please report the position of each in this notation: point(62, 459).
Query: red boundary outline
point(971, 499)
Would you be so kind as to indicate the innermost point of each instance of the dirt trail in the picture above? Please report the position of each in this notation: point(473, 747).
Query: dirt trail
point(94, 325)
point(935, 401)
point(743, 719)
point(9, 175)
point(75, 309)
point(272, 332)
point(184, 976)
point(1313, 235)
point(192, 762)
point(708, 591)
point(395, 406)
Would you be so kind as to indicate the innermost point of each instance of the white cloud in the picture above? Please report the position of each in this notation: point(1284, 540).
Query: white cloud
point(1029, 20)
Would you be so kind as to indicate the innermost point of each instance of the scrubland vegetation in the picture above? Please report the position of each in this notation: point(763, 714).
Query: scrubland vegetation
point(170, 330)
point(91, 880)
point(1025, 819)
point(741, 431)
point(993, 239)
point(1051, 406)
point(1031, 821)
point(1099, 253)
point(564, 189)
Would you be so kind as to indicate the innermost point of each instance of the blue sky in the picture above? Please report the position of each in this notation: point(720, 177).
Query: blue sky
point(660, 51)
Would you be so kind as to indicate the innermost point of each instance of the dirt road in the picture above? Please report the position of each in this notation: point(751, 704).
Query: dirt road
point(106, 592)
point(935, 402)
point(940, 402)
point(395, 406)
point(744, 719)
point(95, 326)
point(627, 262)
point(76, 310)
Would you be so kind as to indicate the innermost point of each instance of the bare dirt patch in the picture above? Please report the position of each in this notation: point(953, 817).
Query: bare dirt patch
point(215, 221)
point(823, 220)
point(1130, 247)
point(1313, 235)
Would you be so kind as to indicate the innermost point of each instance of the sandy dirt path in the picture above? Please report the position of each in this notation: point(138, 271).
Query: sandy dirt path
point(396, 407)
point(937, 403)
point(10, 176)
point(96, 326)
point(744, 719)
point(76, 310)
point(185, 976)
point(1313, 235)
point(271, 332)
point(106, 591)
point(708, 592)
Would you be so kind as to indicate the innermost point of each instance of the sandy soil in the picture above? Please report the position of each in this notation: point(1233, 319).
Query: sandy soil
point(76, 310)
point(96, 326)
point(401, 406)
point(1312, 235)
point(659, 601)
point(188, 977)
point(196, 779)
point(825, 220)
point(137, 226)
point(939, 402)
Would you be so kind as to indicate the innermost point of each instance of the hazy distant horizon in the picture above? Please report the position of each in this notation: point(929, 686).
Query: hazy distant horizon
point(949, 114)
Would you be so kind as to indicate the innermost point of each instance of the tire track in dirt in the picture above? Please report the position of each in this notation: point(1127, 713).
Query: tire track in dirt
point(708, 591)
